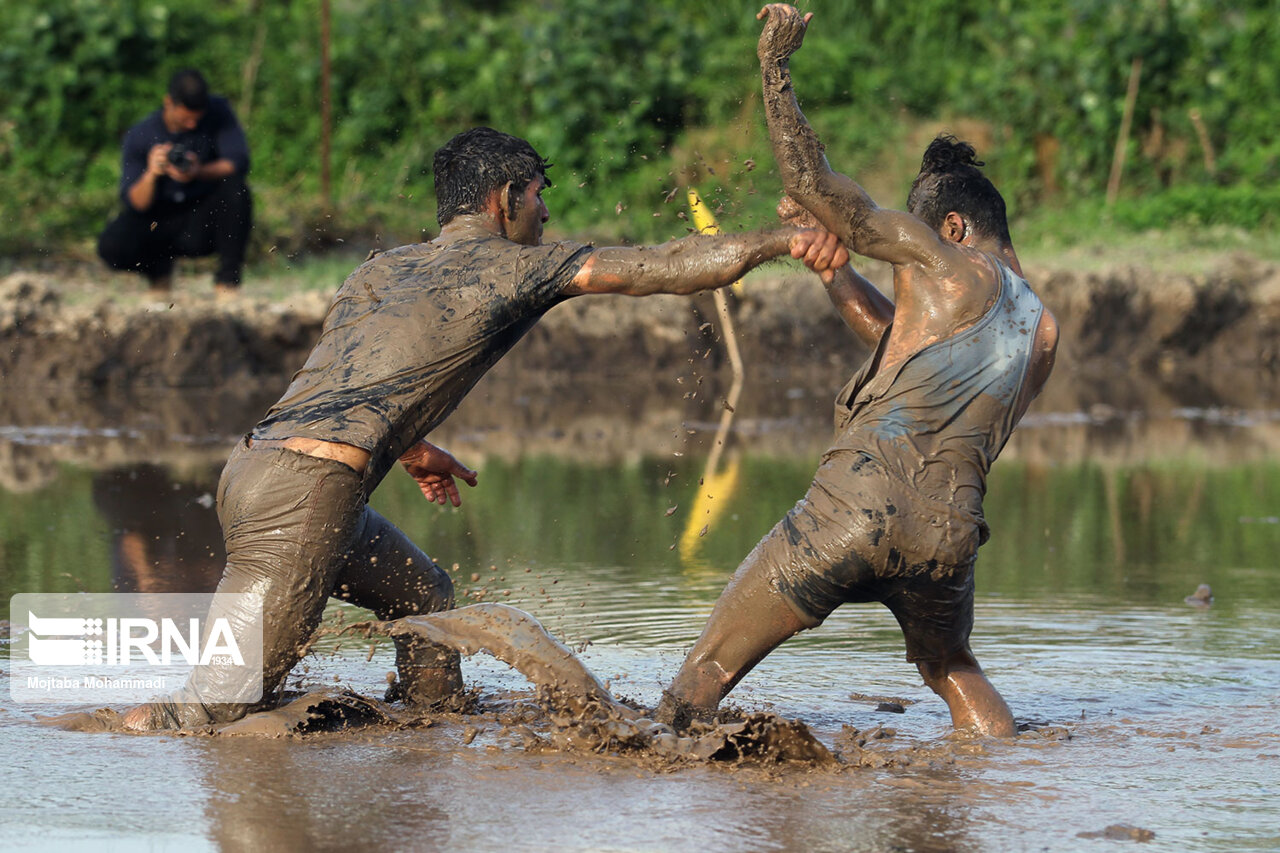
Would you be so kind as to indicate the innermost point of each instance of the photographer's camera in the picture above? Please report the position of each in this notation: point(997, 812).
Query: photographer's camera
point(180, 156)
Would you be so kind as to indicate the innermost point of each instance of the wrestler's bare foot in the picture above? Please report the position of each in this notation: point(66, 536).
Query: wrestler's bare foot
point(102, 720)
point(673, 711)
point(138, 719)
point(680, 713)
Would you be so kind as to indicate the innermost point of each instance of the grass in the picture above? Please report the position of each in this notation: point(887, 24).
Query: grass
point(1082, 237)
point(1084, 244)
point(1079, 236)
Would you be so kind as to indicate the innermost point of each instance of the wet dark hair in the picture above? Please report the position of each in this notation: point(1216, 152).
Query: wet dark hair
point(951, 179)
point(478, 161)
point(187, 88)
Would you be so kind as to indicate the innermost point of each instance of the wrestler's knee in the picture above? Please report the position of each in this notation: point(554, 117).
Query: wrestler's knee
point(426, 591)
point(439, 593)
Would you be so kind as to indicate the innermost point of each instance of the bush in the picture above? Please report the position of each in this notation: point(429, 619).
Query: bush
point(632, 102)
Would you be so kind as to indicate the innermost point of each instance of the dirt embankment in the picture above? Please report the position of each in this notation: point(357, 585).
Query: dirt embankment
point(1130, 337)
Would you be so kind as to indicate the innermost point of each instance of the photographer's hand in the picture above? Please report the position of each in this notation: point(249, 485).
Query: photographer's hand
point(158, 160)
point(215, 170)
point(143, 191)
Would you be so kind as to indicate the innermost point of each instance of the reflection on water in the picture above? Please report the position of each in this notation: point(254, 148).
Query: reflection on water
point(1101, 525)
point(1143, 534)
point(165, 536)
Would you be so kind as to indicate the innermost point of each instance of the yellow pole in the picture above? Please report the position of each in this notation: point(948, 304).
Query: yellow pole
point(716, 487)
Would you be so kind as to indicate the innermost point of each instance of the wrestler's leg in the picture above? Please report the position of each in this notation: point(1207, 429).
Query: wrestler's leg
point(936, 617)
point(386, 573)
point(750, 619)
point(284, 518)
point(973, 701)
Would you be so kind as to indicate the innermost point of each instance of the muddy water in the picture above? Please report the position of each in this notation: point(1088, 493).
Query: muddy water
point(1143, 714)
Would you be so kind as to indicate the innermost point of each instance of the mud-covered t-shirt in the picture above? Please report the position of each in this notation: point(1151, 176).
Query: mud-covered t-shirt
point(410, 332)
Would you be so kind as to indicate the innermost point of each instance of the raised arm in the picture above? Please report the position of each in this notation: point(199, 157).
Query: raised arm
point(699, 262)
point(836, 200)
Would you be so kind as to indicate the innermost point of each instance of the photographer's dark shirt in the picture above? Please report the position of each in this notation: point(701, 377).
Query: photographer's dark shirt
point(218, 136)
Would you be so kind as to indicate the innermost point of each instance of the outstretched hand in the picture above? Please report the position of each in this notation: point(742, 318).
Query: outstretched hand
point(434, 470)
point(817, 255)
point(783, 32)
point(820, 251)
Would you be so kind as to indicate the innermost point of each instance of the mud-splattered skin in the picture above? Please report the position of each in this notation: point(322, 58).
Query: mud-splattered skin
point(895, 512)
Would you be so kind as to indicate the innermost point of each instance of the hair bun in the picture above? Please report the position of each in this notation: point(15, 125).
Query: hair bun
point(947, 154)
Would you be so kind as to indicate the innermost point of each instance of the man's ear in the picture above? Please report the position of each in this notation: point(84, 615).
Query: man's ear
point(504, 200)
point(495, 206)
point(954, 228)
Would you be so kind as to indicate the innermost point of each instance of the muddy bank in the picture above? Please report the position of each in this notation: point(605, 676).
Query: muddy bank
point(1213, 337)
point(188, 433)
point(1148, 365)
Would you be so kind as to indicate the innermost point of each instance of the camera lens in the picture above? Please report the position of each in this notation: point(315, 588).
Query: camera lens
point(178, 156)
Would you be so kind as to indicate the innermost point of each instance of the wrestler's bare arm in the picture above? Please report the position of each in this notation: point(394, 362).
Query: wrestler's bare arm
point(699, 262)
point(864, 309)
point(836, 200)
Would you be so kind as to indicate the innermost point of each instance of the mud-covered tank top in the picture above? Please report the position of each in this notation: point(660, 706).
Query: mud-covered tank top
point(936, 421)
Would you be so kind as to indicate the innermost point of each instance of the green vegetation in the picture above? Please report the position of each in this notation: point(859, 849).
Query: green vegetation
point(634, 101)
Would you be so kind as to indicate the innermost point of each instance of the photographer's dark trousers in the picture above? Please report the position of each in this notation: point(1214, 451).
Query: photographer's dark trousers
point(216, 223)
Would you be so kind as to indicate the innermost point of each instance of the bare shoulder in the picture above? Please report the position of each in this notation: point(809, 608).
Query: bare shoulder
point(903, 239)
point(1045, 352)
point(952, 273)
point(1047, 334)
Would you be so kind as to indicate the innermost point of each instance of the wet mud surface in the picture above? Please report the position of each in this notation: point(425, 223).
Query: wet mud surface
point(804, 759)
point(571, 710)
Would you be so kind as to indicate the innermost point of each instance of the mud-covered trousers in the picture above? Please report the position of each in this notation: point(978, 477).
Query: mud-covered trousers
point(298, 530)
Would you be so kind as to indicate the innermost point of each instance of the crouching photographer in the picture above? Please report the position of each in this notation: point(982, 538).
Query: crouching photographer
point(183, 189)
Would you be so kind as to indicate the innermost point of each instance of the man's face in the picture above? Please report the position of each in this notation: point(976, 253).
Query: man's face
point(179, 119)
point(526, 226)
